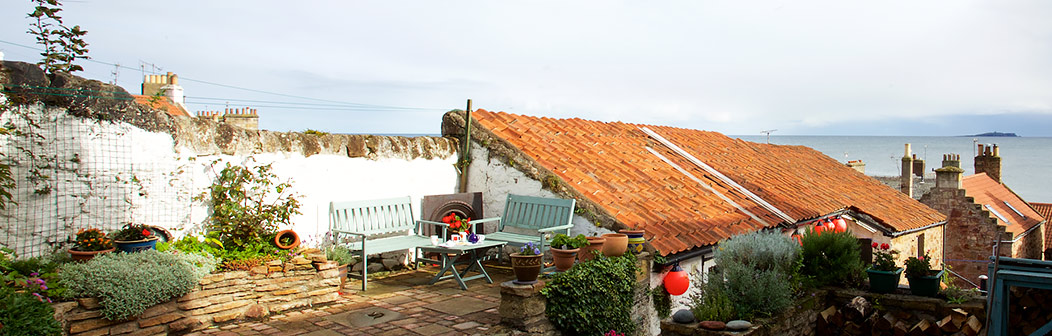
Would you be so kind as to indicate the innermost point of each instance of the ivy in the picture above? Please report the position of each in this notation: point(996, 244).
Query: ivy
point(594, 297)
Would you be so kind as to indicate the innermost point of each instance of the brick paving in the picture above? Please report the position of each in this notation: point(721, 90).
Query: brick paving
point(400, 303)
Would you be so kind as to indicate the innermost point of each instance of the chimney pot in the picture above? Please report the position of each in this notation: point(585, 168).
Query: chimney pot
point(907, 151)
point(996, 152)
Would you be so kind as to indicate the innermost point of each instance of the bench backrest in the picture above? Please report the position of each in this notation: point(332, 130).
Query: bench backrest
point(373, 217)
point(535, 213)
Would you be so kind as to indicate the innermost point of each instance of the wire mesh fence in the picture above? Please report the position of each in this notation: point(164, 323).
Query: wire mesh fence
point(74, 173)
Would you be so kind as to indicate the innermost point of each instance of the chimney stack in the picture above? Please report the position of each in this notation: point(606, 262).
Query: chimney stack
point(906, 179)
point(918, 166)
point(949, 176)
point(857, 165)
point(989, 161)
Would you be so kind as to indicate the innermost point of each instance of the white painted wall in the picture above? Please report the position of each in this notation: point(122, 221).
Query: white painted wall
point(105, 173)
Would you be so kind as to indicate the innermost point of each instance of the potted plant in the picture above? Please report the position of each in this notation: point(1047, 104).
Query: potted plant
point(884, 274)
point(134, 238)
point(565, 248)
point(595, 245)
point(343, 257)
point(90, 242)
point(924, 281)
point(459, 228)
point(527, 264)
point(287, 239)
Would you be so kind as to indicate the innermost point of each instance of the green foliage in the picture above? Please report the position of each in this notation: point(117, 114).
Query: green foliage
point(315, 132)
point(884, 258)
point(593, 297)
point(247, 205)
point(62, 45)
point(250, 255)
point(756, 272)
point(662, 301)
point(132, 231)
point(565, 242)
point(918, 267)
point(957, 295)
point(832, 258)
point(25, 314)
point(37, 276)
point(340, 254)
point(711, 302)
point(128, 283)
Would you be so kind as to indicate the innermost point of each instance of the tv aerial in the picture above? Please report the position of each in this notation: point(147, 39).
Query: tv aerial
point(768, 132)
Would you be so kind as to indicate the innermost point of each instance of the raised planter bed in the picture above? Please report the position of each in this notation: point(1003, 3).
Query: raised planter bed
point(218, 298)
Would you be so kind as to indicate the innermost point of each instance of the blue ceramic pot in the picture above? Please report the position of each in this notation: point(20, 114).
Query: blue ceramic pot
point(129, 246)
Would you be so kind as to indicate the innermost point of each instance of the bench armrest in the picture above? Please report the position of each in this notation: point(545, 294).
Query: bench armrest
point(484, 220)
point(556, 228)
point(443, 225)
point(431, 222)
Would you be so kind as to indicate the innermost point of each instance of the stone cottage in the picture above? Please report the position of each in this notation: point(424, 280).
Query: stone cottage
point(980, 210)
point(688, 189)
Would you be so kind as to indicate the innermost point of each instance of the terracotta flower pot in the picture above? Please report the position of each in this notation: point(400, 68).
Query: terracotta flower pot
point(616, 244)
point(635, 239)
point(526, 268)
point(564, 258)
point(88, 255)
point(595, 244)
point(130, 246)
point(342, 270)
point(287, 234)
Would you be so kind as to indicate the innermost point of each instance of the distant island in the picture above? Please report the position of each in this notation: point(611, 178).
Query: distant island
point(996, 134)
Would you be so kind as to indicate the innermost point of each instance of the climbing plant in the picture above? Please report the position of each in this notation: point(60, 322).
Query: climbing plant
point(594, 297)
point(62, 45)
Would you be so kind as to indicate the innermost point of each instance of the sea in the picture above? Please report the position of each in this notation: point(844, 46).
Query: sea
point(1026, 162)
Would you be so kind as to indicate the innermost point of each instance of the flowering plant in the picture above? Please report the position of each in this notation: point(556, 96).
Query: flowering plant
point(884, 258)
point(132, 231)
point(457, 224)
point(529, 249)
point(918, 266)
point(613, 333)
point(91, 240)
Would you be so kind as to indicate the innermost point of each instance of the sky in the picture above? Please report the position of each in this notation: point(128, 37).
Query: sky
point(950, 67)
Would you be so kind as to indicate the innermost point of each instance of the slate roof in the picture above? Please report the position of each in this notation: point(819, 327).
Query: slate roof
point(1000, 201)
point(1045, 210)
point(608, 162)
point(162, 104)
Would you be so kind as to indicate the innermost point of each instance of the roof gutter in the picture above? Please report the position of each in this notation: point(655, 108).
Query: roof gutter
point(899, 233)
point(1025, 233)
point(676, 258)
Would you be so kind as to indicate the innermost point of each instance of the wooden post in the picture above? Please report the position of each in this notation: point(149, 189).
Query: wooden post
point(465, 153)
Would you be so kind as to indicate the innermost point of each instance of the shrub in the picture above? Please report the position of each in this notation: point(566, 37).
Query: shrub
point(831, 258)
point(247, 205)
point(25, 314)
point(594, 297)
point(755, 272)
point(340, 254)
point(128, 283)
point(662, 301)
point(711, 303)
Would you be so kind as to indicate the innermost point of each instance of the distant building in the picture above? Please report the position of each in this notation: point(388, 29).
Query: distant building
point(247, 118)
point(980, 210)
point(162, 92)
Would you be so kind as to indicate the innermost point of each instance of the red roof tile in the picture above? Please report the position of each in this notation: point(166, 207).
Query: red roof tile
point(1045, 210)
point(610, 165)
point(161, 103)
point(996, 197)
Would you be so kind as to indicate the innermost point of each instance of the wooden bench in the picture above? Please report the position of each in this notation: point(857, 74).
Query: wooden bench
point(531, 218)
point(365, 220)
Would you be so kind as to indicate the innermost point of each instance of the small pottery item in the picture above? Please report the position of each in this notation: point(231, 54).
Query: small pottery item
point(284, 235)
point(883, 281)
point(595, 245)
point(87, 255)
point(564, 259)
point(635, 240)
point(130, 246)
point(616, 244)
point(526, 268)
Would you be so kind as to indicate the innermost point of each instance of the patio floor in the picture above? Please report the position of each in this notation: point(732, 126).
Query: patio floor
point(400, 303)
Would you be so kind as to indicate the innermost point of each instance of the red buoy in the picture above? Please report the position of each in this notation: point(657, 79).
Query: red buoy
point(677, 281)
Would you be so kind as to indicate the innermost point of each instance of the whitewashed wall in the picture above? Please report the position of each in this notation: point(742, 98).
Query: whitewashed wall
point(105, 173)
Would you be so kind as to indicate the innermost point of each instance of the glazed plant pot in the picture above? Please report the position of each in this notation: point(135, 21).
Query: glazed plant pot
point(616, 244)
point(88, 255)
point(926, 285)
point(287, 235)
point(564, 259)
point(526, 268)
point(635, 240)
point(342, 270)
point(595, 245)
point(884, 281)
point(131, 246)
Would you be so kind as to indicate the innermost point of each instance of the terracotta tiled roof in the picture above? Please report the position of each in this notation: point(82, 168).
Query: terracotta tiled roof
point(610, 165)
point(162, 104)
point(1045, 210)
point(996, 197)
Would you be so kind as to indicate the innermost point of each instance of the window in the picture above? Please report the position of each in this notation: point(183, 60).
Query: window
point(1014, 209)
point(920, 245)
point(998, 214)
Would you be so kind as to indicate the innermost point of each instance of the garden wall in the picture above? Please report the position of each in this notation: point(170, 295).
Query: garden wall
point(805, 317)
point(97, 159)
point(218, 298)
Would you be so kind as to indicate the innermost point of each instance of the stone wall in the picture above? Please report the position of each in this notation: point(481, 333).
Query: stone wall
point(106, 160)
point(218, 298)
point(801, 319)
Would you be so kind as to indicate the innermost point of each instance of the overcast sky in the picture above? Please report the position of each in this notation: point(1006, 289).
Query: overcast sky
point(738, 67)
